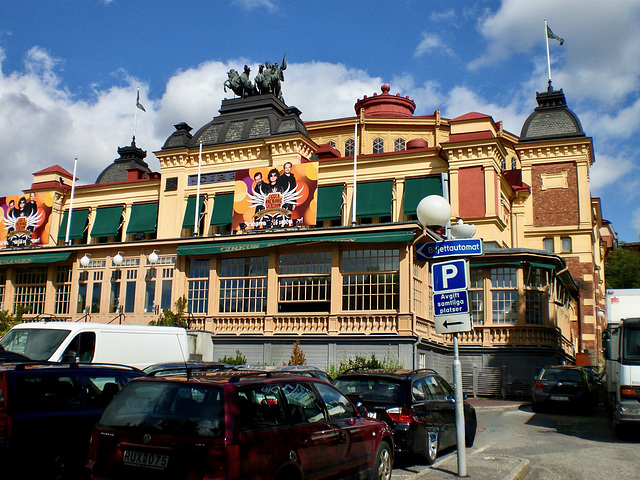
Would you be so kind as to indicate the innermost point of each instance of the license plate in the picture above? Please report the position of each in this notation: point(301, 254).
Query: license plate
point(559, 398)
point(143, 459)
point(372, 415)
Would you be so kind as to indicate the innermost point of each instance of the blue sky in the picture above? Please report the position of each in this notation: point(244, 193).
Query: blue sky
point(69, 70)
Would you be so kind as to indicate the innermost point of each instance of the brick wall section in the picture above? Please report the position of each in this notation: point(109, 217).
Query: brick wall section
point(554, 206)
point(578, 271)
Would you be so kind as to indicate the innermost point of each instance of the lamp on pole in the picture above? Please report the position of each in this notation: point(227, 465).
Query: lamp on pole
point(435, 210)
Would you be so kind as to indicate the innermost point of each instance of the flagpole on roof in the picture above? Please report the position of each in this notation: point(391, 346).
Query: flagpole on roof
point(73, 189)
point(546, 36)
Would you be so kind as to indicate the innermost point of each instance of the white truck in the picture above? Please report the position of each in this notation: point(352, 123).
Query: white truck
point(134, 345)
point(621, 348)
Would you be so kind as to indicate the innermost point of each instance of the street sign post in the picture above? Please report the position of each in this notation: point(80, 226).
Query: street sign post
point(449, 248)
point(450, 296)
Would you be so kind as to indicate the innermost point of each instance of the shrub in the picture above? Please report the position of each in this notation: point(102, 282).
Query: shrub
point(239, 359)
point(297, 355)
point(170, 319)
point(360, 361)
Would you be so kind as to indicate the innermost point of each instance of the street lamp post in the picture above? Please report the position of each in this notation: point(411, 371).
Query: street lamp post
point(435, 210)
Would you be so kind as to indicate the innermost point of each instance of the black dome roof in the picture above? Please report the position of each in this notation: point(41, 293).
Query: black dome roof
point(551, 119)
point(130, 157)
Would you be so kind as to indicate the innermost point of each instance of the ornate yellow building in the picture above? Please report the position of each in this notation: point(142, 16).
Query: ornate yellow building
point(340, 273)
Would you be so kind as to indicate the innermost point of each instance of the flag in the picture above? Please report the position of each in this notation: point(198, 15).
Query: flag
point(138, 104)
point(553, 36)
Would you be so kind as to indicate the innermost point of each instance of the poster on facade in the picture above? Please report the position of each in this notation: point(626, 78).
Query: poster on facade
point(275, 197)
point(25, 219)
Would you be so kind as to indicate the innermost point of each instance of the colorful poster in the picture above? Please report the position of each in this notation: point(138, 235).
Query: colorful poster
point(25, 219)
point(275, 197)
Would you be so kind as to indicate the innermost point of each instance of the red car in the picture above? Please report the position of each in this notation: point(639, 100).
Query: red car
point(230, 425)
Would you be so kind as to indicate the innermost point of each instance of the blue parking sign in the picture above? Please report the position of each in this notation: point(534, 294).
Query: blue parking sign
point(449, 276)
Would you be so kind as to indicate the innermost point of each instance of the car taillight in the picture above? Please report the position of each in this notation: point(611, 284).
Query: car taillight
point(538, 387)
point(629, 393)
point(223, 461)
point(401, 415)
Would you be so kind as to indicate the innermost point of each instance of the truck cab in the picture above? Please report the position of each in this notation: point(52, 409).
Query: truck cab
point(621, 345)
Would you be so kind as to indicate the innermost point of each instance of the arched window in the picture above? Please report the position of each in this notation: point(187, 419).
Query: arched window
point(503, 164)
point(399, 145)
point(349, 147)
point(332, 143)
point(514, 163)
point(378, 145)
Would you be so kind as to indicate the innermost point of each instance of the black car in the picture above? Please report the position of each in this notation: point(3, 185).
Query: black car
point(47, 411)
point(566, 387)
point(418, 405)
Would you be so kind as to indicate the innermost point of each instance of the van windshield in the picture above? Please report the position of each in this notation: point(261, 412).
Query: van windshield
point(35, 343)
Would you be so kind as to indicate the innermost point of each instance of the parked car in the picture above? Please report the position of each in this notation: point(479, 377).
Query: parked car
point(47, 411)
point(237, 425)
point(418, 405)
point(565, 386)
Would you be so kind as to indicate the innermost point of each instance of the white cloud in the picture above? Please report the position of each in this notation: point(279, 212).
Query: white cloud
point(431, 42)
point(608, 169)
point(255, 4)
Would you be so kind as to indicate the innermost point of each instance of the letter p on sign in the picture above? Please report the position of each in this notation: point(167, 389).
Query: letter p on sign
point(449, 276)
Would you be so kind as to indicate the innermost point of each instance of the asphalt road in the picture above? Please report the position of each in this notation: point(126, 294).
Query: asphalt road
point(563, 446)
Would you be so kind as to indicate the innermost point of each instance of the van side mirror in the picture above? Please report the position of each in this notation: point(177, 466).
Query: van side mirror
point(70, 356)
point(606, 344)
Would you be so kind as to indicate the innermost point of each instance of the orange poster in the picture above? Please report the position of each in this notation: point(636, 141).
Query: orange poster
point(25, 219)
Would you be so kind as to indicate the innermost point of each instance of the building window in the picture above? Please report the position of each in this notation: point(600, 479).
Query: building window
point(536, 282)
point(378, 145)
point(304, 282)
point(419, 287)
point(198, 280)
point(349, 148)
point(503, 164)
point(150, 290)
point(548, 245)
point(62, 290)
point(566, 245)
point(3, 282)
point(504, 295)
point(31, 284)
point(243, 284)
point(96, 291)
point(399, 145)
point(130, 291)
point(114, 300)
point(165, 295)
point(331, 143)
point(370, 279)
point(476, 295)
point(514, 163)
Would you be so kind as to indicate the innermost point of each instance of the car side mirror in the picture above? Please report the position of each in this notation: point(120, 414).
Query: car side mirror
point(362, 411)
point(70, 357)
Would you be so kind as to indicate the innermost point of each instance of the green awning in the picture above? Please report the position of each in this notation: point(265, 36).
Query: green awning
point(222, 209)
point(78, 222)
point(190, 212)
point(374, 199)
point(107, 222)
point(541, 265)
point(241, 246)
point(30, 258)
point(415, 189)
point(329, 203)
point(143, 219)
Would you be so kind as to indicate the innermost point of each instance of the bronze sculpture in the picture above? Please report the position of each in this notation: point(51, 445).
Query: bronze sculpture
point(268, 80)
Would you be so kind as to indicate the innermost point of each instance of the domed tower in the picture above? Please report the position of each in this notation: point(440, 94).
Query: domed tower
point(131, 158)
point(560, 215)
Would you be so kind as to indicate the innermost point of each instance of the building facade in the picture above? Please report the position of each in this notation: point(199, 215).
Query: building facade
point(334, 263)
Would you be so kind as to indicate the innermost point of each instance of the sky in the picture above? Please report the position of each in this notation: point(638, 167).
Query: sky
point(70, 69)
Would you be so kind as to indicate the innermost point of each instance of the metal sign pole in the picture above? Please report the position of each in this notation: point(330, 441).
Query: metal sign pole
point(459, 411)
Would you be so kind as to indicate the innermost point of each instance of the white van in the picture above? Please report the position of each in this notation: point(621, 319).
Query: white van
point(134, 345)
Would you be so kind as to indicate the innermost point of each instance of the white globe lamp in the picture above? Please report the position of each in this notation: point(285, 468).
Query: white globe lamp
point(118, 259)
point(153, 257)
point(85, 260)
point(433, 210)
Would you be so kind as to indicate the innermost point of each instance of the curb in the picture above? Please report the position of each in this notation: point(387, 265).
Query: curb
point(519, 471)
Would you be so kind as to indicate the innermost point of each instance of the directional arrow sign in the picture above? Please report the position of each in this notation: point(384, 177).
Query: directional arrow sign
point(460, 322)
point(449, 248)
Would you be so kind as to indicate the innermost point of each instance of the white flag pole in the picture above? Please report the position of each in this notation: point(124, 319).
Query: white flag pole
point(73, 190)
point(355, 165)
point(546, 36)
point(135, 117)
point(195, 220)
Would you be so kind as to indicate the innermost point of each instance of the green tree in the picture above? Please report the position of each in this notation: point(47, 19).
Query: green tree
point(8, 320)
point(297, 355)
point(239, 359)
point(361, 361)
point(622, 269)
point(170, 319)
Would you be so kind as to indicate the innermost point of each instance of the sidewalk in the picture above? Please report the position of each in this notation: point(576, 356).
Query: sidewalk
point(481, 465)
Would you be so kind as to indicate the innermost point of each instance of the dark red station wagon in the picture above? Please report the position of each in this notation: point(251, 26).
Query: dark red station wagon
point(230, 425)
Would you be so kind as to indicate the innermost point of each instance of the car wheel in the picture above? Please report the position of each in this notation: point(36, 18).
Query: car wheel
point(431, 446)
point(382, 463)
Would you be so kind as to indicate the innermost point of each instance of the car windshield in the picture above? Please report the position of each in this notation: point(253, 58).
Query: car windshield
point(35, 343)
point(371, 389)
point(169, 408)
point(561, 375)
